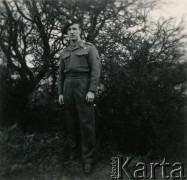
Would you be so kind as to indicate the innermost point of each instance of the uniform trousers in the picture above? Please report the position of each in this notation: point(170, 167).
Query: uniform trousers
point(80, 115)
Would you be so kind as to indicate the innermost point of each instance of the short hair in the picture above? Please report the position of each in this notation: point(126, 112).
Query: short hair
point(70, 23)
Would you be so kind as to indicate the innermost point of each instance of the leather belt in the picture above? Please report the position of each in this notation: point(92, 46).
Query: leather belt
point(77, 74)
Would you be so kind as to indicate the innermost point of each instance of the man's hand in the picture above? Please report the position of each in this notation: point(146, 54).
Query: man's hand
point(61, 99)
point(90, 97)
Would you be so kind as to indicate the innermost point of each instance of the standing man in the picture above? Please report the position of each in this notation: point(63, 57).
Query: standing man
point(79, 74)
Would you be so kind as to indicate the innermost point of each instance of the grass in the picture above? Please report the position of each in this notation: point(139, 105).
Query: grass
point(44, 156)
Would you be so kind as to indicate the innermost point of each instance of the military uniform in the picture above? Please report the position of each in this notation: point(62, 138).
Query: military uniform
point(79, 73)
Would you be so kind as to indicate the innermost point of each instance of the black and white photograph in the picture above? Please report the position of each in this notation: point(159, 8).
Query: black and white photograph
point(93, 89)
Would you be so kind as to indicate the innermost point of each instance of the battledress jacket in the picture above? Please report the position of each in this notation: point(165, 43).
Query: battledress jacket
point(83, 58)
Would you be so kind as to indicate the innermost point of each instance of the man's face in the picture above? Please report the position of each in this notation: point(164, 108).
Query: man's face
point(74, 32)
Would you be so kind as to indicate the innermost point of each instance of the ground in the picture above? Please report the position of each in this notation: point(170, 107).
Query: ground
point(44, 156)
point(72, 171)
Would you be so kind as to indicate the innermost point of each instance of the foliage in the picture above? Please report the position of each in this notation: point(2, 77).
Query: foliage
point(25, 151)
point(143, 87)
point(43, 155)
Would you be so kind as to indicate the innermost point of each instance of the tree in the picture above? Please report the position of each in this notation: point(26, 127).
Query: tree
point(30, 41)
point(144, 85)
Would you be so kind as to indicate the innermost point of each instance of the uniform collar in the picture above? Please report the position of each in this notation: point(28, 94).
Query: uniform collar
point(77, 45)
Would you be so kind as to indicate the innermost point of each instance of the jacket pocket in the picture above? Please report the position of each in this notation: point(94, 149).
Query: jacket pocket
point(66, 59)
point(82, 58)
